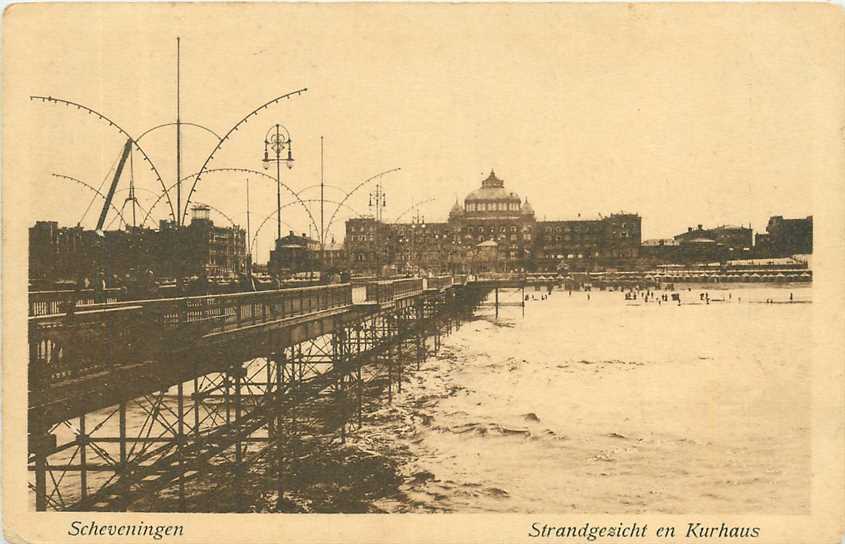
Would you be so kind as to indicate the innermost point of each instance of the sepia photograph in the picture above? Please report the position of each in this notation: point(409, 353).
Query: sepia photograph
point(541, 271)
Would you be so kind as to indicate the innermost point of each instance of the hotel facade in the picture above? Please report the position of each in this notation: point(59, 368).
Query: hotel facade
point(494, 230)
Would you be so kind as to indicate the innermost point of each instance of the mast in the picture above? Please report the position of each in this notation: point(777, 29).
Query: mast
point(322, 226)
point(178, 134)
point(132, 187)
point(247, 211)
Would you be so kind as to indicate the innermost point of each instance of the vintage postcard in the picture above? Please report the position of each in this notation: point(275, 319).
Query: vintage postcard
point(499, 272)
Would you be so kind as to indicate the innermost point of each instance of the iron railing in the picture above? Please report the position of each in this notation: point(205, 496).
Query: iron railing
point(99, 336)
point(439, 282)
point(56, 302)
point(68, 339)
point(407, 287)
point(380, 291)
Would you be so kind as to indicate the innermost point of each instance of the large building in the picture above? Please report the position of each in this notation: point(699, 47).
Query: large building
point(493, 230)
point(294, 254)
point(207, 249)
point(715, 244)
point(730, 237)
point(785, 237)
point(79, 256)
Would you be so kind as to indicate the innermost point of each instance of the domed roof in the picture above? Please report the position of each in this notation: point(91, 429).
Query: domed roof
point(527, 209)
point(457, 209)
point(492, 188)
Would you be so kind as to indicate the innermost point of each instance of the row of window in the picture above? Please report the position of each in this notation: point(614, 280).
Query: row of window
point(512, 206)
point(491, 229)
point(598, 227)
point(433, 256)
point(576, 239)
point(362, 228)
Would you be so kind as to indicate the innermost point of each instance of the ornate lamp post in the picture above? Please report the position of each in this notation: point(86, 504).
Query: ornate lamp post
point(378, 200)
point(276, 142)
point(417, 222)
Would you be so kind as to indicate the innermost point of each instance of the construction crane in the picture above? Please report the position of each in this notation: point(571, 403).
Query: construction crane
point(110, 195)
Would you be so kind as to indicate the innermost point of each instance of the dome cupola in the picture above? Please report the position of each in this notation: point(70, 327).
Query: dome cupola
point(493, 199)
point(457, 210)
point(527, 209)
point(492, 181)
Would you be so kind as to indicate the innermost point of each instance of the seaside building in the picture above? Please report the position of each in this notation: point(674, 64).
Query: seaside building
point(75, 255)
point(494, 229)
point(789, 236)
point(293, 254)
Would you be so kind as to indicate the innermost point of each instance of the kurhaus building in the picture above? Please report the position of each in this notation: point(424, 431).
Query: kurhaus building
point(494, 230)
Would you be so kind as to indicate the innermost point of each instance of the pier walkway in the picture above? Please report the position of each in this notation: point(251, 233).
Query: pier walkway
point(128, 398)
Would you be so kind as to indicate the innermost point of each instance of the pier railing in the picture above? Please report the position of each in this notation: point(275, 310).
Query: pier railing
point(55, 302)
point(380, 291)
point(253, 308)
point(439, 282)
point(69, 340)
point(407, 287)
point(387, 291)
point(103, 335)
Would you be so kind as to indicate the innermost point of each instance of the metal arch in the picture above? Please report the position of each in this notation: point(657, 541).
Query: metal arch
point(260, 173)
point(273, 213)
point(263, 222)
point(255, 240)
point(157, 200)
point(218, 210)
point(183, 123)
point(126, 189)
point(417, 205)
point(245, 170)
point(335, 202)
point(49, 99)
point(92, 188)
point(226, 136)
point(332, 218)
point(341, 189)
point(123, 207)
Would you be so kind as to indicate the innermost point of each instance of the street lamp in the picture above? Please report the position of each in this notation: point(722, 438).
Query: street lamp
point(417, 220)
point(276, 142)
point(378, 200)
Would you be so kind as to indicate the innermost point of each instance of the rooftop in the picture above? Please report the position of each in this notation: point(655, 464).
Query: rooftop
point(492, 188)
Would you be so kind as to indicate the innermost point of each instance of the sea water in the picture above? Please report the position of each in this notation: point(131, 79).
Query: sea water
point(593, 403)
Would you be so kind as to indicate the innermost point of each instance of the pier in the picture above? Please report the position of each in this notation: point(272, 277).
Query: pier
point(212, 374)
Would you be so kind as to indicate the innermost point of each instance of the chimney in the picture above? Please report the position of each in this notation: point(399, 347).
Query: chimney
point(291, 233)
point(699, 226)
point(689, 229)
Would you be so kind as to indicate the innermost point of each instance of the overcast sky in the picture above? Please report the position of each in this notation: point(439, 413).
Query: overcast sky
point(703, 114)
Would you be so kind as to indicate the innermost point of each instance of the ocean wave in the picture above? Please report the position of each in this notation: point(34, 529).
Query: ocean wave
point(484, 429)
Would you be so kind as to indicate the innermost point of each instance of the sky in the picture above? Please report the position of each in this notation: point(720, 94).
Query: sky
point(683, 114)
